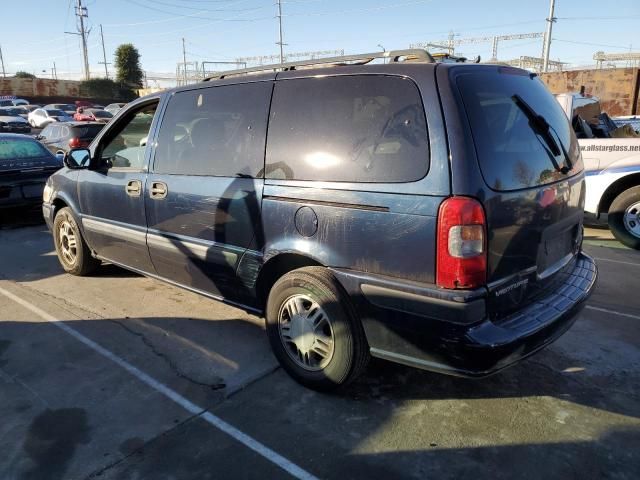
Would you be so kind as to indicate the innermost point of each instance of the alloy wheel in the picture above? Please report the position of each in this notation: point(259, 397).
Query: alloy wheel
point(632, 219)
point(306, 332)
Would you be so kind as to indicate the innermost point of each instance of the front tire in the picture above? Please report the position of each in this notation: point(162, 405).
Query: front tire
point(624, 217)
point(73, 253)
point(314, 330)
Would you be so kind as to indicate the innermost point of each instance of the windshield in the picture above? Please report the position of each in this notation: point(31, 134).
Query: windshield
point(510, 113)
point(56, 113)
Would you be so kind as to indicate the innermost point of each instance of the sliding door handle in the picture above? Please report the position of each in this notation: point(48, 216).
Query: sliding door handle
point(158, 190)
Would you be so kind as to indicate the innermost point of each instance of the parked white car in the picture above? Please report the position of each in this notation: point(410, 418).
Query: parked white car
point(612, 167)
point(41, 117)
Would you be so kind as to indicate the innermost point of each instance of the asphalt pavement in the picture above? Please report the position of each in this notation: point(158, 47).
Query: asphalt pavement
point(117, 376)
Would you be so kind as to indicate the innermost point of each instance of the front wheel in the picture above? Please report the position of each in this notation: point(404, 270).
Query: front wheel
point(73, 253)
point(624, 217)
point(314, 330)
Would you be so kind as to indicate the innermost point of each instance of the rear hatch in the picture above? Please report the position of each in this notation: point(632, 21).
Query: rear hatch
point(530, 163)
point(86, 133)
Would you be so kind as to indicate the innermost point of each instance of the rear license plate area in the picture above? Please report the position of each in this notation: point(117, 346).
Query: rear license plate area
point(32, 191)
point(556, 248)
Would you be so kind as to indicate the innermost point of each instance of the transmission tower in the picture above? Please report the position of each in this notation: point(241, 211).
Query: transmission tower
point(450, 43)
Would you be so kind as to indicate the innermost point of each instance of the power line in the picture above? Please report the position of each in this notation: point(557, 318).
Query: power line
point(194, 15)
point(359, 10)
point(592, 44)
point(158, 2)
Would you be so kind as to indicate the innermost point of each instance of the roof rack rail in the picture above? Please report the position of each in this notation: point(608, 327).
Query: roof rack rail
point(408, 55)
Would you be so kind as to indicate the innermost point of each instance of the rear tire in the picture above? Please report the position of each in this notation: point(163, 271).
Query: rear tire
point(314, 330)
point(73, 253)
point(624, 217)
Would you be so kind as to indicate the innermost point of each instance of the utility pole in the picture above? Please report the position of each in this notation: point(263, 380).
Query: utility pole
point(184, 62)
point(4, 74)
point(81, 13)
point(547, 37)
point(104, 55)
point(280, 28)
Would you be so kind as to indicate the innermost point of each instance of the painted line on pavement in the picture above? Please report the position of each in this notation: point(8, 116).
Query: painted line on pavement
point(189, 406)
point(616, 261)
point(598, 309)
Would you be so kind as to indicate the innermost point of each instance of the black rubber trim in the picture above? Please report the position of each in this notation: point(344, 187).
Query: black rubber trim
point(355, 206)
point(419, 304)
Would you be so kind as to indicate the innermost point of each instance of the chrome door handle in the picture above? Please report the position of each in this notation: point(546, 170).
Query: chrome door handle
point(134, 188)
point(158, 190)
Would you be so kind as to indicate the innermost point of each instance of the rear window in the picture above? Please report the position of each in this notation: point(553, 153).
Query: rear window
point(16, 149)
point(511, 154)
point(347, 129)
point(87, 131)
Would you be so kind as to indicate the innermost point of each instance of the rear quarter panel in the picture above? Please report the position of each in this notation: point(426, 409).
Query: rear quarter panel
point(386, 229)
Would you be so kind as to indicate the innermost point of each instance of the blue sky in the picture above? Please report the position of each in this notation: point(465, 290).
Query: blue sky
point(226, 29)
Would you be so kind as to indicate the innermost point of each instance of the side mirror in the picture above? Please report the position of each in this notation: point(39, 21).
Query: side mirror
point(77, 158)
point(38, 137)
point(60, 157)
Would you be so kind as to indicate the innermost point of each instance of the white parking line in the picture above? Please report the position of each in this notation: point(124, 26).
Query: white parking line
point(616, 261)
point(189, 406)
point(598, 309)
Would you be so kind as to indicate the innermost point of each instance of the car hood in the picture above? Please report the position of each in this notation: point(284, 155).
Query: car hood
point(10, 118)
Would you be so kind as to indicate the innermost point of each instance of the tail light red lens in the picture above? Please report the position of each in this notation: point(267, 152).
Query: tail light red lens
point(75, 142)
point(461, 244)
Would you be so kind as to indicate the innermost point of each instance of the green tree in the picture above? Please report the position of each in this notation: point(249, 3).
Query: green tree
point(100, 88)
point(22, 74)
point(127, 61)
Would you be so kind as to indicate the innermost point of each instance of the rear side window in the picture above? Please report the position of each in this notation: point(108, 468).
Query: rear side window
point(347, 129)
point(217, 131)
point(511, 153)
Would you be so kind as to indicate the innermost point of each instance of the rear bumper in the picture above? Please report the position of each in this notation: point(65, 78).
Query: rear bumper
point(21, 195)
point(449, 332)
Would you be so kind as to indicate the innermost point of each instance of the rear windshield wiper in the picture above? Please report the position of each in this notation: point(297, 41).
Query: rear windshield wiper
point(540, 126)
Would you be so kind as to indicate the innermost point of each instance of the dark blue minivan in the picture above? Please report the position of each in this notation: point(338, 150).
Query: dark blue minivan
point(421, 212)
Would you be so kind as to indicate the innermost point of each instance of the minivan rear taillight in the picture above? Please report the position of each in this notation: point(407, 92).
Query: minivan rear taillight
point(462, 244)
